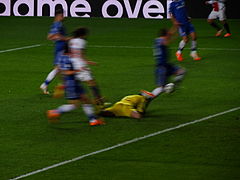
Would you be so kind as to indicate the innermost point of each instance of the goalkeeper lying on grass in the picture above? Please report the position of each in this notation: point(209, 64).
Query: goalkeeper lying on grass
point(133, 106)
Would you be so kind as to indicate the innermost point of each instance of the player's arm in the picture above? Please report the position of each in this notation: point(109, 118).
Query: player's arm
point(174, 20)
point(171, 13)
point(57, 37)
point(69, 72)
point(83, 56)
point(170, 35)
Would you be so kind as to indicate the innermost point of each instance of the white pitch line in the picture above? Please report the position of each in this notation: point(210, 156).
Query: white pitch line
point(148, 47)
point(125, 143)
point(20, 48)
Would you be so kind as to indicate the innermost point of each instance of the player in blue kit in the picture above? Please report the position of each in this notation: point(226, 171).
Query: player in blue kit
point(180, 19)
point(163, 68)
point(74, 92)
point(57, 34)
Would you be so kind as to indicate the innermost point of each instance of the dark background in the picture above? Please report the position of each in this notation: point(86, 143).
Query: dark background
point(196, 8)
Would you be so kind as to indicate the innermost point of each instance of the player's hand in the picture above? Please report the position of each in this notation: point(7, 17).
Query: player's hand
point(68, 38)
point(176, 23)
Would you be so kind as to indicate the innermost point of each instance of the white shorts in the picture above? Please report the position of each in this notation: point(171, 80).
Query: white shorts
point(218, 15)
point(84, 75)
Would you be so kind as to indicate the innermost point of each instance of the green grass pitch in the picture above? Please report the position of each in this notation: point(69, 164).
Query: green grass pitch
point(122, 47)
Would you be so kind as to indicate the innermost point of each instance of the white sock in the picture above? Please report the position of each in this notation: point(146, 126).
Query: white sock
point(157, 91)
point(181, 46)
point(89, 111)
point(51, 75)
point(193, 53)
point(66, 108)
point(194, 46)
point(178, 78)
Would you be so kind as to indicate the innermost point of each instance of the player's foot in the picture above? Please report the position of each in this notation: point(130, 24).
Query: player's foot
point(96, 122)
point(228, 35)
point(44, 88)
point(169, 88)
point(53, 115)
point(58, 91)
point(219, 33)
point(179, 56)
point(195, 56)
point(147, 94)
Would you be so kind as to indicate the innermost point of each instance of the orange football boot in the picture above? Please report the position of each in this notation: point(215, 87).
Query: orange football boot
point(219, 33)
point(228, 35)
point(53, 115)
point(195, 56)
point(179, 56)
point(96, 122)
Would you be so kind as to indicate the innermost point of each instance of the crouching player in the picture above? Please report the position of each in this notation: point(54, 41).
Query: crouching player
point(163, 68)
point(74, 92)
point(133, 106)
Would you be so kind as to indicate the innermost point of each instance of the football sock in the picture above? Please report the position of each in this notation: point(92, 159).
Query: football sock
point(66, 108)
point(89, 111)
point(51, 76)
point(181, 46)
point(178, 78)
point(194, 45)
point(226, 27)
point(216, 26)
point(157, 91)
point(96, 94)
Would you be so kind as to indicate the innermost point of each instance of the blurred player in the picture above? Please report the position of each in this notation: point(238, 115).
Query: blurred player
point(74, 93)
point(133, 106)
point(180, 19)
point(218, 12)
point(78, 46)
point(163, 68)
point(57, 34)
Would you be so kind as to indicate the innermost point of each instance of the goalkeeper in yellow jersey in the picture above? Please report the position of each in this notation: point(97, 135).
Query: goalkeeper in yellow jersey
point(133, 106)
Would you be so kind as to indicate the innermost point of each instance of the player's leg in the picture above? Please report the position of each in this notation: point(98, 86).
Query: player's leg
point(50, 77)
point(95, 91)
point(161, 78)
point(53, 73)
point(88, 108)
point(182, 43)
point(215, 26)
point(194, 53)
point(211, 20)
point(227, 28)
point(54, 114)
point(72, 95)
point(222, 18)
point(179, 75)
point(86, 76)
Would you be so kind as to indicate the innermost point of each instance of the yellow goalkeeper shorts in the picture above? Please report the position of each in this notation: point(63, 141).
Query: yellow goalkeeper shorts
point(119, 109)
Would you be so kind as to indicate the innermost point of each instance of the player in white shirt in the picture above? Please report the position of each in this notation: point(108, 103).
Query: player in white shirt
point(218, 12)
point(77, 47)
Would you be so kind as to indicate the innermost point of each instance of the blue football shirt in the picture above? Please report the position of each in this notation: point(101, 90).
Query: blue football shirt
point(178, 10)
